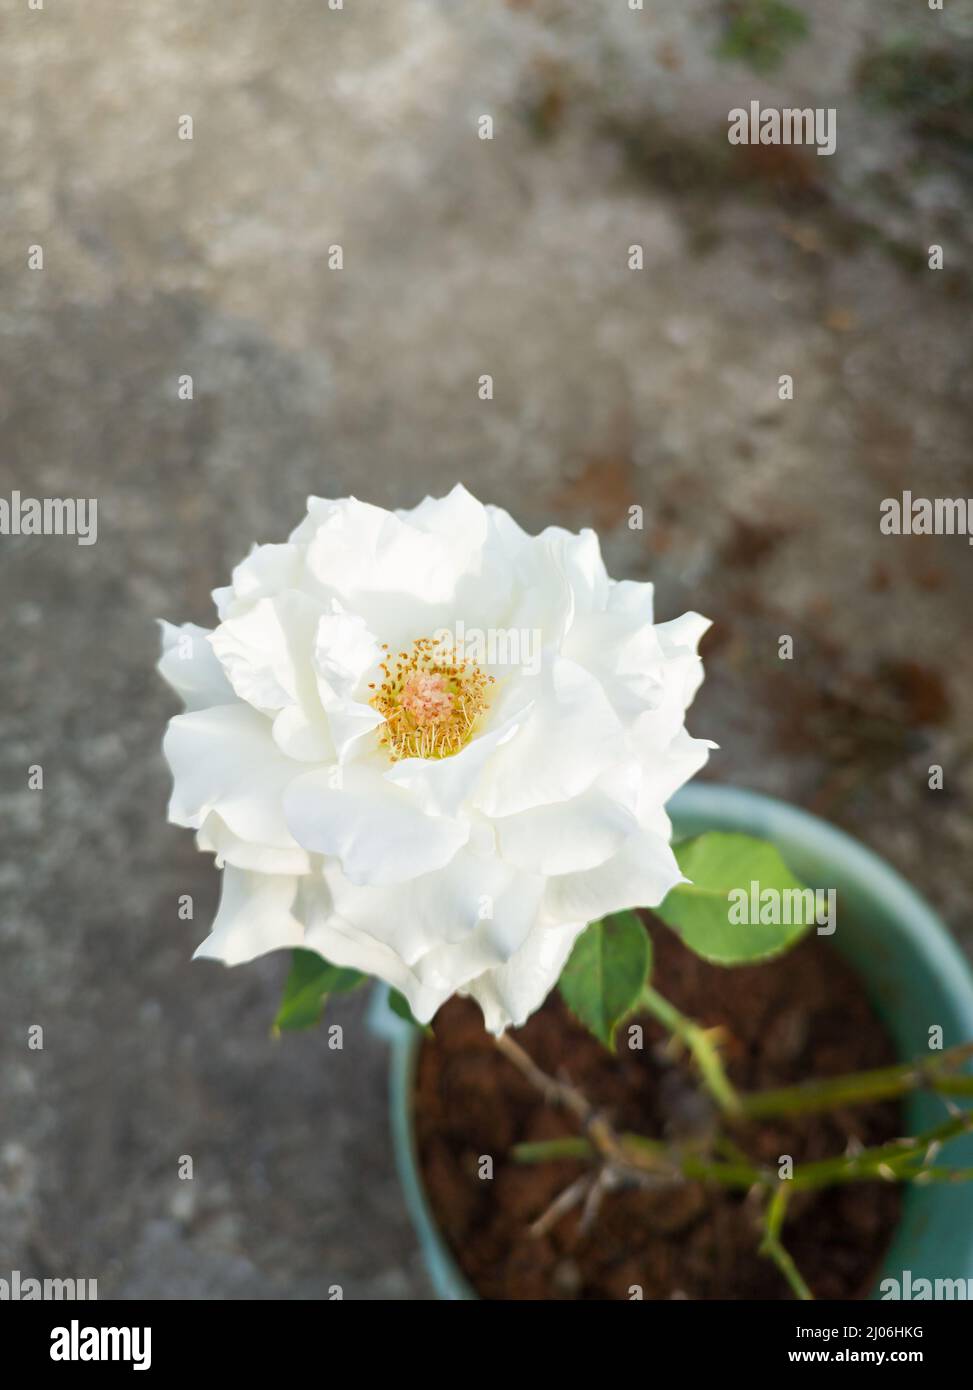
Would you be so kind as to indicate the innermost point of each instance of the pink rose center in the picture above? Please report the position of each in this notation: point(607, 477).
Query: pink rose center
point(425, 695)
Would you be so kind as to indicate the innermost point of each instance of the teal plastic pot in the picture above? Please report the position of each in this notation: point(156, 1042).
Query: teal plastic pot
point(911, 967)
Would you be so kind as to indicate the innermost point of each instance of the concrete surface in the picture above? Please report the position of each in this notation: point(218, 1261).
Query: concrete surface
point(357, 127)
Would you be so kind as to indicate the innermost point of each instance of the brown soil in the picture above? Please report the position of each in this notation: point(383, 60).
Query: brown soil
point(801, 1016)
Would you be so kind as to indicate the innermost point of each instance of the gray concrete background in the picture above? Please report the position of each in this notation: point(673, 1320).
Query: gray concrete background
point(162, 257)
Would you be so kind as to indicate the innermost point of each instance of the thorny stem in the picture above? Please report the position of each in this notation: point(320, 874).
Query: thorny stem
point(904, 1159)
point(884, 1083)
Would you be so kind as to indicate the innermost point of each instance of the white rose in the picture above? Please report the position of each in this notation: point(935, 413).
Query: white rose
point(455, 831)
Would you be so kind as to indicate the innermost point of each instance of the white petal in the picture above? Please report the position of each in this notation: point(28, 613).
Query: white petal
point(266, 571)
point(457, 514)
point(625, 653)
point(570, 835)
point(631, 597)
point(661, 728)
point(363, 551)
point(664, 773)
point(303, 737)
point(685, 631)
point(190, 666)
point(572, 736)
point(680, 639)
point(345, 655)
point(405, 580)
point(639, 875)
point(348, 723)
point(579, 557)
point(267, 651)
point(510, 993)
point(541, 602)
point(430, 935)
point(224, 759)
point(474, 904)
point(374, 829)
point(346, 945)
point(345, 652)
point(215, 837)
point(255, 916)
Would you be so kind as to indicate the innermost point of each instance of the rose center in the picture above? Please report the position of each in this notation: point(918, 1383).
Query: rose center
point(431, 701)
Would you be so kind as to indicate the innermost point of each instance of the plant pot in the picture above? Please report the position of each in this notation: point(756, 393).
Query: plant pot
point(913, 973)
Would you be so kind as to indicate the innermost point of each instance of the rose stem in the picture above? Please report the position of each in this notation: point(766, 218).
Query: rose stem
point(884, 1083)
point(563, 1094)
point(903, 1159)
point(699, 1041)
point(772, 1247)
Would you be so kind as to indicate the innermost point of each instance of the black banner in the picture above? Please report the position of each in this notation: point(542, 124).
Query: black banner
point(282, 1340)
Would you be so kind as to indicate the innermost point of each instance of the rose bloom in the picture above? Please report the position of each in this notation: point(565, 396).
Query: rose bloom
point(431, 747)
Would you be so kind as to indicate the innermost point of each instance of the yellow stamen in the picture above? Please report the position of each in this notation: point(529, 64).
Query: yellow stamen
point(431, 701)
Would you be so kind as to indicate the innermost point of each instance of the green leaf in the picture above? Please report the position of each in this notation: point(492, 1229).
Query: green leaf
point(400, 1007)
point(306, 990)
point(606, 972)
point(718, 926)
